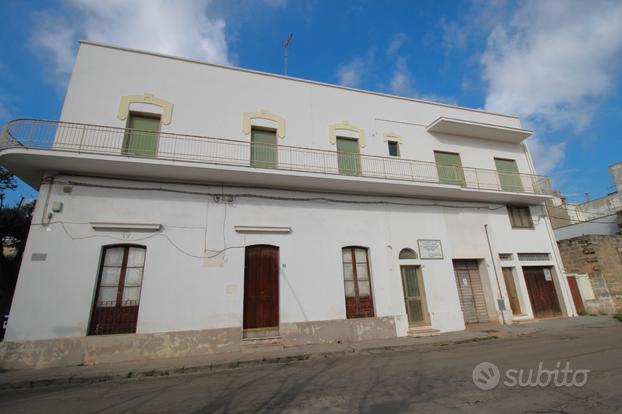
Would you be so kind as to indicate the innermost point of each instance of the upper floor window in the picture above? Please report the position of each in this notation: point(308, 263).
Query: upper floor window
point(348, 157)
point(142, 134)
point(509, 178)
point(264, 148)
point(449, 167)
point(394, 148)
point(520, 217)
point(118, 292)
point(357, 282)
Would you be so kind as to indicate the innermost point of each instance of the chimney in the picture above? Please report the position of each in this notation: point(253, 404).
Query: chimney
point(616, 175)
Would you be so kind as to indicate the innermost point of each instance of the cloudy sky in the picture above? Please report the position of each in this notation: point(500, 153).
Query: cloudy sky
point(557, 64)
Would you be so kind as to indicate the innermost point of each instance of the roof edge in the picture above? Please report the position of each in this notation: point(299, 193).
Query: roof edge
point(291, 78)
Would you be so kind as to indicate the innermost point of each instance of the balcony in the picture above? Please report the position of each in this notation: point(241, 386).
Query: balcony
point(30, 148)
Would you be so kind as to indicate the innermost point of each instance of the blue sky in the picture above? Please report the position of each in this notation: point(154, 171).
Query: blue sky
point(554, 63)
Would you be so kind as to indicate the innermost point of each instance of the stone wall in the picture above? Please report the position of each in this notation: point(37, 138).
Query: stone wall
point(599, 256)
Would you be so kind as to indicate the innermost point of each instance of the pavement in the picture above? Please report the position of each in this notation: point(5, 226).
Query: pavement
point(43, 377)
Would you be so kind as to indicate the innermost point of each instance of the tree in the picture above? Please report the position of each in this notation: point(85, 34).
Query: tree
point(14, 227)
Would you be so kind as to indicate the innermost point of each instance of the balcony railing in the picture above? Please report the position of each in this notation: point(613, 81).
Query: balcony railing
point(96, 139)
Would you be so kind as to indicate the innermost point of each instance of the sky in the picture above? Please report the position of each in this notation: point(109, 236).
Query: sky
point(555, 63)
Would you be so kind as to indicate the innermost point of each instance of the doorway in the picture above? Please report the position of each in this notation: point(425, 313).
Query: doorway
point(542, 294)
point(261, 291)
point(470, 291)
point(414, 297)
point(508, 277)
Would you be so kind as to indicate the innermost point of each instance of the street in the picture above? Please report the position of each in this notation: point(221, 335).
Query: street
point(436, 378)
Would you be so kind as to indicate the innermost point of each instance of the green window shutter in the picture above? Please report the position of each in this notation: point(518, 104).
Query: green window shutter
point(142, 136)
point(449, 168)
point(508, 175)
point(393, 149)
point(348, 157)
point(263, 149)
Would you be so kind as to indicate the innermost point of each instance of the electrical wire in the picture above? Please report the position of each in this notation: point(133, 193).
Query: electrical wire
point(490, 207)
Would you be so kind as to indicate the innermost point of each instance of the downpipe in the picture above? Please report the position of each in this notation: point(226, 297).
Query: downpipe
point(494, 267)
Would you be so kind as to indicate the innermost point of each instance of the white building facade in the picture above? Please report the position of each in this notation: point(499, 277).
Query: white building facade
point(188, 208)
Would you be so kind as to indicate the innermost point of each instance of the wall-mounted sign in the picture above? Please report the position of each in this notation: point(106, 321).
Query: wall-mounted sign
point(547, 275)
point(430, 249)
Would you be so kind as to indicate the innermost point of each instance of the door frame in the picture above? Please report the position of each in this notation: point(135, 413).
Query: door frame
point(422, 297)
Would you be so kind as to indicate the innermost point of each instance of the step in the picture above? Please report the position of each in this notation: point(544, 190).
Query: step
point(263, 343)
point(423, 332)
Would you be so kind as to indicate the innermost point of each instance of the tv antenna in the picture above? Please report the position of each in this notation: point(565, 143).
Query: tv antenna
point(286, 43)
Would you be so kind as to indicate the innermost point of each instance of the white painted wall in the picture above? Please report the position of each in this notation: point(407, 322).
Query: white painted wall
point(210, 100)
point(54, 297)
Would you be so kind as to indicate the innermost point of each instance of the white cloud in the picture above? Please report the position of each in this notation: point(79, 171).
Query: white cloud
point(4, 113)
point(554, 61)
point(401, 80)
point(402, 84)
point(546, 157)
point(351, 73)
point(185, 29)
point(395, 44)
point(552, 64)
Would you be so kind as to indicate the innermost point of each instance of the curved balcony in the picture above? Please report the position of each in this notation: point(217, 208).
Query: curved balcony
point(31, 147)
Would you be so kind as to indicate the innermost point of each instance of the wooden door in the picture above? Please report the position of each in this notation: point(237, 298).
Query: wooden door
point(142, 136)
point(261, 287)
point(348, 157)
point(118, 291)
point(414, 297)
point(508, 276)
point(576, 295)
point(542, 295)
point(509, 178)
point(263, 148)
point(470, 291)
point(449, 168)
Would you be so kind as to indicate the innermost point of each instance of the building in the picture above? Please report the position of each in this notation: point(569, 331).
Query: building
point(192, 208)
point(563, 214)
point(590, 243)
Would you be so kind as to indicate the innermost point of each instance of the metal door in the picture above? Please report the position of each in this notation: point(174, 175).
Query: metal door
point(470, 291)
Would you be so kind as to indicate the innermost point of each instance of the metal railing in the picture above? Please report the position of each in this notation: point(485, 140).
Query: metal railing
point(97, 139)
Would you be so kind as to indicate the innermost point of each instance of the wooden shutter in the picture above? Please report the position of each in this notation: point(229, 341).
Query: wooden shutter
point(263, 148)
point(348, 158)
point(142, 136)
point(449, 168)
point(509, 177)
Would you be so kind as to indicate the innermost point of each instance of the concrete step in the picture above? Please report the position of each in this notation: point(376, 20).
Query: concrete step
point(423, 332)
point(266, 343)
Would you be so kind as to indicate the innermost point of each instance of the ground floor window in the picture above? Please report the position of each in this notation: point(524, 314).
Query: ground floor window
point(117, 298)
point(357, 282)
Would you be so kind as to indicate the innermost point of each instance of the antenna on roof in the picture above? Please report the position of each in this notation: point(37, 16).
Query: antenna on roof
point(286, 43)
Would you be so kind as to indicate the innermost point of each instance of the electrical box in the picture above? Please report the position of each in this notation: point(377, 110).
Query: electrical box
point(57, 206)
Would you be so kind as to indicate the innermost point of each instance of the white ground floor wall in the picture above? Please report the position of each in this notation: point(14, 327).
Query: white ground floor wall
point(194, 268)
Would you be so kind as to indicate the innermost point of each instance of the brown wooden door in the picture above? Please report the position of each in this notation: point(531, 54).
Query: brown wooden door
point(261, 287)
point(470, 291)
point(576, 295)
point(542, 295)
point(118, 292)
point(508, 276)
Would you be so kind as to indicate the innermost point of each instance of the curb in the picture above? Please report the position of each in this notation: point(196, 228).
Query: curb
point(228, 365)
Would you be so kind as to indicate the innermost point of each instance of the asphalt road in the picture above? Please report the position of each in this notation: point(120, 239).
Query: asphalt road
point(431, 379)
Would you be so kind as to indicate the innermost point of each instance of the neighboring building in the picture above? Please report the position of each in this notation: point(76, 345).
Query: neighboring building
point(206, 208)
point(562, 213)
point(589, 236)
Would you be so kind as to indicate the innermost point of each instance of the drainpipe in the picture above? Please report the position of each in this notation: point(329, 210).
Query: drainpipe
point(494, 267)
point(45, 216)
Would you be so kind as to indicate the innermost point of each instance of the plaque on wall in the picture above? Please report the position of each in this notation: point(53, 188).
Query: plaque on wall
point(430, 249)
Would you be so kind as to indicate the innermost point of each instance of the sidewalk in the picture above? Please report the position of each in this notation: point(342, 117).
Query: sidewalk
point(217, 362)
